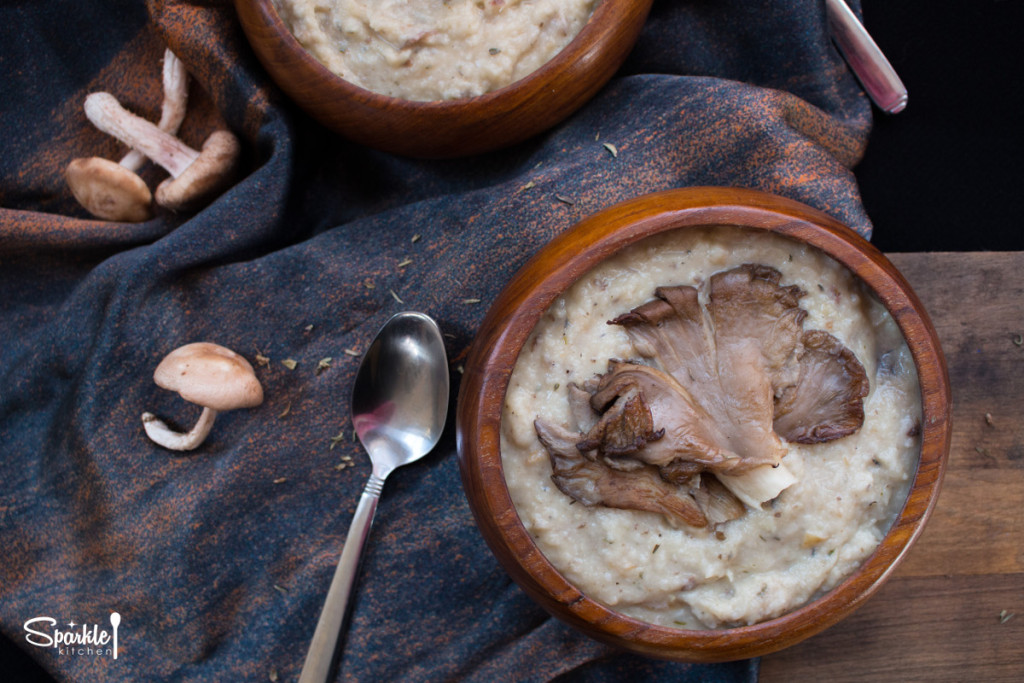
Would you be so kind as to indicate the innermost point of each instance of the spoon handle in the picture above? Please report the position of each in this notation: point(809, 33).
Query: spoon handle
point(873, 70)
point(320, 657)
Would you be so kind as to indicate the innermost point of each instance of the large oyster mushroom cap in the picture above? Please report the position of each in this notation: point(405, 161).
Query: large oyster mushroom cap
point(748, 306)
point(728, 354)
point(684, 430)
point(727, 380)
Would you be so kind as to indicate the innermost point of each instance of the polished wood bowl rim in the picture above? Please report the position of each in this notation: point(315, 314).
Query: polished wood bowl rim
point(518, 308)
point(451, 128)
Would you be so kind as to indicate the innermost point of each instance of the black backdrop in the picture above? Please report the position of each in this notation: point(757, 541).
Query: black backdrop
point(946, 174)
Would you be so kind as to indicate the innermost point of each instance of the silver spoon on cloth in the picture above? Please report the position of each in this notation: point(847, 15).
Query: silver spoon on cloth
point(399, 407)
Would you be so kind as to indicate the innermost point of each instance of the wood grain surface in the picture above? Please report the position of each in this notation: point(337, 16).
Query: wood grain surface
point(954, 610)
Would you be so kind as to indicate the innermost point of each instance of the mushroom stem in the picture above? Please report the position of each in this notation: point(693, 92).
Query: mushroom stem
point(758, 485)
point(107, 114)
point(163, 435)
point(173, 108)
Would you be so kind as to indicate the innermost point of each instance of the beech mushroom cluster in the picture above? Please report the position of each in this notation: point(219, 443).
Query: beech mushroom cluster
point(697, 429)
point(209, 375)
point(114, 191)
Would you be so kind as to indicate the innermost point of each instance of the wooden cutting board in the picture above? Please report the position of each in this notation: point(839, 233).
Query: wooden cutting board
point(954, 609)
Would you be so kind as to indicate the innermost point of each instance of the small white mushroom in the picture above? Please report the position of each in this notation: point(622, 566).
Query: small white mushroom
point(108, 190)
point(204, 177)
point(209, 375)
point(172, 109)
point(194, 175)
point(114, 191)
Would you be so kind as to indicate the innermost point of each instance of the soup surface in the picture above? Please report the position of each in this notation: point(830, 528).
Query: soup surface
point(774, 556)
point(430, 50)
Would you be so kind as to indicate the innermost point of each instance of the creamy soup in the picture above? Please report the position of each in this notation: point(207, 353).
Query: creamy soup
point(432, 50)
point(830, 498)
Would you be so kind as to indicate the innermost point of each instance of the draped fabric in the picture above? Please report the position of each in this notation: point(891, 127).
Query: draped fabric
point(218, 561)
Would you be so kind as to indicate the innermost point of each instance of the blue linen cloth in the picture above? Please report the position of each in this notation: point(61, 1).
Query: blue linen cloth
point(218, 561)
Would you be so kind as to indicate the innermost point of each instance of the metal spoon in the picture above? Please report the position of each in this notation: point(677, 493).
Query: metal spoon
point(399, 407)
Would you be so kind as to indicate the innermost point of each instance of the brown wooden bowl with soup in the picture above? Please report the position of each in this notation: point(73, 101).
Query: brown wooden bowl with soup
point(704, 424)
point(441, 80)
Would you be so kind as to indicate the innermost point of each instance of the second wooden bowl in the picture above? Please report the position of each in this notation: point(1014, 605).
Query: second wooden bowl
point(517, 310)
point(451, 128)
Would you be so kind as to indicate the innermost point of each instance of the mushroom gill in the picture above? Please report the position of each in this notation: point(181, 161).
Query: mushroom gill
point(685, 430)
point(729, 354)
point(827, 400)
point(725, 374)
point(592, 483)
point(625, 427)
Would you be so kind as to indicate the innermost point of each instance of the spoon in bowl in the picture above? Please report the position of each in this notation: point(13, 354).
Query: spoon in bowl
point(399, 407)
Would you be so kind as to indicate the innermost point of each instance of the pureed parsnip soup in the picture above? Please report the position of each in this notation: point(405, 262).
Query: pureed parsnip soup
point(432, 50)
point(711, 428)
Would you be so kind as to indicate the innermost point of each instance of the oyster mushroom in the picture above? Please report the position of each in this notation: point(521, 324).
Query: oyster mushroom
point(195, 175)
point(690, 440)
point(827, 401)
point(719, 386)
point(625, 428)
point(209, 375)
point(726, 355)
point(753, 314)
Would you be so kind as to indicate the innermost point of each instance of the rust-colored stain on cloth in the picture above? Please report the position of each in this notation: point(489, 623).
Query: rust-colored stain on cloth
point(218, 560)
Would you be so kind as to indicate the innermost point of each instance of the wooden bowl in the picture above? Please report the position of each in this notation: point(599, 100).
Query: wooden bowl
point(549, 273)
point(451, 128)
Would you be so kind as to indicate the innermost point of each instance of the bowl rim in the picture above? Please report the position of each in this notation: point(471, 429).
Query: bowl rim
point(574, 50)
point(508, 324)
point(457, 127)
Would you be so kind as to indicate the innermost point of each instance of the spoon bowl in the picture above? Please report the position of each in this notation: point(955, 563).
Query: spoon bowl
point(399, 399)
point(399, 408)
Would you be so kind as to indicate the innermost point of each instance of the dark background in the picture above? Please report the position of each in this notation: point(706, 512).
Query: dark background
point(947, 173)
